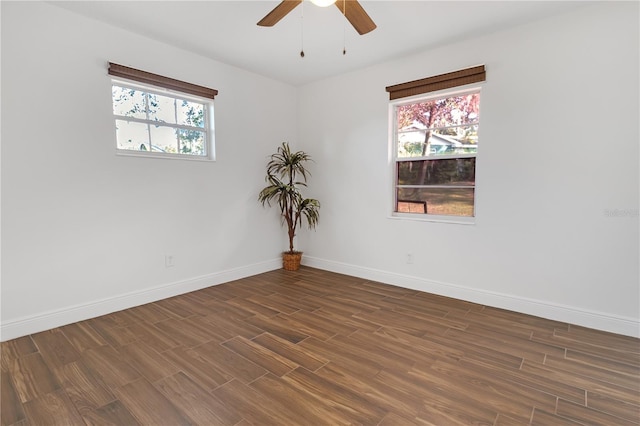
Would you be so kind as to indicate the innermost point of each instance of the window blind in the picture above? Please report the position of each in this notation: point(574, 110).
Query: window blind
point(437, 82)
point(160, 81)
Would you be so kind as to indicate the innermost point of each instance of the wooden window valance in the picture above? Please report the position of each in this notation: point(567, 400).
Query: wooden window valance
point(438, 82)
point(161, 81)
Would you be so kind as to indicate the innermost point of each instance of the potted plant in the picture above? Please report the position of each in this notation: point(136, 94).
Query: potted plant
point(286, 174)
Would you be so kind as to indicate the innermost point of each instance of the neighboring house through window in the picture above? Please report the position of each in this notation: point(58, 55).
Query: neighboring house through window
point(435, 143)
point(161, 117)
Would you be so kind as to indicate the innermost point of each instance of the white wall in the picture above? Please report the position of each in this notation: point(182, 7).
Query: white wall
point(85, 232)
point(559, 148)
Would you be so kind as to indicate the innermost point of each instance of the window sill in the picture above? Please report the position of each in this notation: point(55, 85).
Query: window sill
point(420, 217)
point(125, 153)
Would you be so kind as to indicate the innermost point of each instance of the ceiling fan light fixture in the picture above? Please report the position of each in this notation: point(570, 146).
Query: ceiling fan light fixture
point(323, 3)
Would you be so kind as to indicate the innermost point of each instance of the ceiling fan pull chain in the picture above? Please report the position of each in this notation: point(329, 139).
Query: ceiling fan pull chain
point(344, 27)
point(302, 31)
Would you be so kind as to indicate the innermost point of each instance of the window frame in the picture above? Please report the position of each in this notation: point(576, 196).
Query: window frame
point(208, 129)
point(394, 159)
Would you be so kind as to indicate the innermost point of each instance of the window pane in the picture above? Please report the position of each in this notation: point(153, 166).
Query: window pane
point(457, 171)
point(439, 201)
point(132, 136)
point(160, 123)
point(445, 112)
point(448, 141)
point(163, 139)
point(129, 102)
point(454, 140)
point(192, 142)
point(190, 113)
point(162, 108)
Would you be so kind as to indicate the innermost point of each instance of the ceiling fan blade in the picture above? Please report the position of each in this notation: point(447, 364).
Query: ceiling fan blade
point(279, 12)
point(356, 15)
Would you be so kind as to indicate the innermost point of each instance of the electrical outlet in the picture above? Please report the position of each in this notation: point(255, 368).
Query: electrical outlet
point(169, 261)
point(409, 258)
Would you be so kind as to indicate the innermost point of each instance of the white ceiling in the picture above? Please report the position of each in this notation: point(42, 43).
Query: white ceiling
point(226, 30)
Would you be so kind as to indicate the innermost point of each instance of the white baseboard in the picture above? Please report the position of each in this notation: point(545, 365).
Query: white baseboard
point(568, 314)
point(572, 315)
point(48, 320)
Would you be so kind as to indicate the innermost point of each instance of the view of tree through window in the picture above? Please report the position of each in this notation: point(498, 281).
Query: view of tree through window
point(436, 146)
point(159, 123)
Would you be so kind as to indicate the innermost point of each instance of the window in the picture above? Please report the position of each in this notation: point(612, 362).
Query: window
point(434, 145)
point(161, 120)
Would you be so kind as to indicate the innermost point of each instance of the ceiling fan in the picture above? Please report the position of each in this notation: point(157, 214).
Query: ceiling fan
point(351, 9)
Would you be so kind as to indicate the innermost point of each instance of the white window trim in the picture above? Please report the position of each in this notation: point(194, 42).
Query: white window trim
point(393, 159)
point(209, 122)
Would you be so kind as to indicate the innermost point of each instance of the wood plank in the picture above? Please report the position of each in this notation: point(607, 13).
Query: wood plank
point(148, 405)
point(14, 349)
point(112, 414)
point(602, 363)
point(614, 406)
point(474, 349)
point(154, 337)
point(233, 364)
point(149, 363)
point(150, 313)
point(32, 378)
point(300, 404)
point(107, 363)
point(524, 349)
point(544, 418)
point(187, 332)
point(441, 401)
point(424, 348)
point(344, 357)
point(259, 355)
point(359, 345)
point(602, 339)
point(591, 372)
point(290, 351)
point(314, 329)
point(534, 378)
point(207, 374)
point(82, 336)
point(52, 409)
point(115, 335)
point(85, 390)
point(331, 326)
point(379, 394)
point(343, 400)
point(253, 307)
point(228, 326)
point(276, 328)
point(11, 411)
point(55, 348)
point(402, 322)
point(255, 407)
point(336, 315)
point(490, 382)
point(586, 415)
point(480, 390)
point(393, 419)
point(297, 303)
point(273, 303)
point(507, 323)
point(198, 404)
point(625, 353)
point(178, 307)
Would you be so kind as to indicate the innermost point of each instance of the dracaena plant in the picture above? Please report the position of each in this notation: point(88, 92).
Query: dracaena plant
point(286, 175)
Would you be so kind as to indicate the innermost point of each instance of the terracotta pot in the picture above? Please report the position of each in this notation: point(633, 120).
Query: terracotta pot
point(291, 261)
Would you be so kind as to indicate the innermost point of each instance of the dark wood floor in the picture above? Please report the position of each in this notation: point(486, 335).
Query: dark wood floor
point(318, 348)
